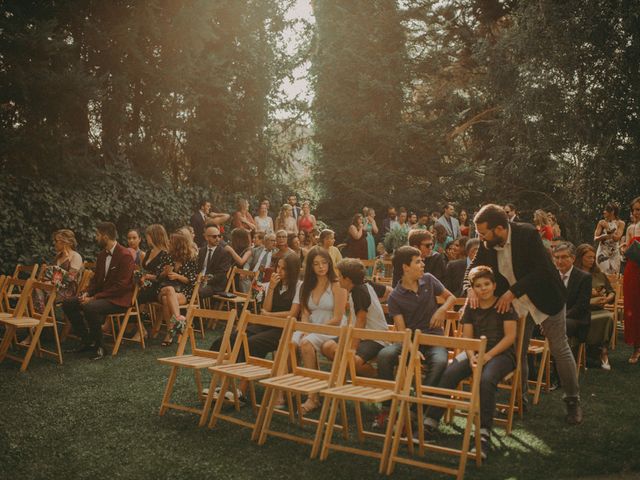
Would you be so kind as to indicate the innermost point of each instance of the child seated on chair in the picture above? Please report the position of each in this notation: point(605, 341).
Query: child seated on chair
point(366, 312)
point(499, 359)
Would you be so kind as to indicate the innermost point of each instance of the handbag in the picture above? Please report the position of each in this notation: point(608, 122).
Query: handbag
point(633, 252)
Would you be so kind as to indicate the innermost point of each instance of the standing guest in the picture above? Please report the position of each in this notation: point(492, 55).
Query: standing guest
point(543, 225)
point(391, 222)
point(154, 263)
point(602, 294)
point(456, 269)
point(403, 221)
point(607, 236)
point(442, 238)
point(357, 246)
point(242, 218)
point(258, 240)
point(449, 222)
point(413, 220)
point(631, 287)
point(306, 221)
point(527, 278)
point(264, 223)
point(435, 216)
point(133, 242)
point(176, 286)
point(555, 228)
point(578, 285)
point(214, 262)
point(295, 209)
point(500, 330)
point(423, 221)
point(463, 218)
point(371, 227)
point(322, 300)
point(511, 212)
point(282, 248)
point(199, 219)
point(286, 221)
point(413, 304)
point(293, 242)
point(366, 312)
point(326, 240)
point(110, 291)
point(434, 262)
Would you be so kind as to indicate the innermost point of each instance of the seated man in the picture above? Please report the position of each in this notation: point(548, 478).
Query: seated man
point(413, 304)
point(434, 262)
point(213, 261)
point(110, 291)
point(281, 249)
point(499, 359)
point(578, 285)
point(456, 269)
point(261, 256)
point(365, 307)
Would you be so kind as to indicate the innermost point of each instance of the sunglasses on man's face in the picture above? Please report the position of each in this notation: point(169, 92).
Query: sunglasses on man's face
point(213, 236)
point(427, 245)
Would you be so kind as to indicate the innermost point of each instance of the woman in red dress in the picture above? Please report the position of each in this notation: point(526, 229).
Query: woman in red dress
point(306, 222)
point(631, 288)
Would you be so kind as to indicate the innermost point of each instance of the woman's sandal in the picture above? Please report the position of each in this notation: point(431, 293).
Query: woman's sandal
point(635, 357)
point(308, 407)
point(167, 343)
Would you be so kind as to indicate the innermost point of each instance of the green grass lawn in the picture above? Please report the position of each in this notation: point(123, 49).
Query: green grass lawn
point(88, 419)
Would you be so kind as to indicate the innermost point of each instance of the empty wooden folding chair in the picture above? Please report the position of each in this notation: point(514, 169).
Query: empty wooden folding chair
point(362, 390)
point(199, 358)
point(468, 401)
point(251, 370)
point(300, 381)
point(540, 348)
point(236, 297)
point(21, 272)
point(120, 322)
point(25, 317)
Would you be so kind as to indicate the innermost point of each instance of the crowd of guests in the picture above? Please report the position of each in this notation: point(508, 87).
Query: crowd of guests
point(507, 269)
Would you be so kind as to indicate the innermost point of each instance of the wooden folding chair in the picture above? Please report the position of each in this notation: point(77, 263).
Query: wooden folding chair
point(383, 276)
point(239, 297)
point(468, 401)
point(251, 370)
point(21, 272)
point(300, 381)
point(369, 266)
point(121, 321)
point(194, 301)
point(616, 307)
point(540, 348)
point(362, 390)
point(89, 266)
point(25, 316)
point(199, 358)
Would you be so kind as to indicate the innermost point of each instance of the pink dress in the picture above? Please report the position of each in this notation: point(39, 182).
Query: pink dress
point(631, 289)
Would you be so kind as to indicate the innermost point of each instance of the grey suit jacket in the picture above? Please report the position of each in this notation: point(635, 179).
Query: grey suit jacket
point(455, 233)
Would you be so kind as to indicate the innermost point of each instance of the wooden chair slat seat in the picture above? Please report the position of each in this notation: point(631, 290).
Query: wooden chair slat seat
point(22, 322)
point(188, 361)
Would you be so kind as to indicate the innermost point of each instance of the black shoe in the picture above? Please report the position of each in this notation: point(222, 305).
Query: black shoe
point(81, 349)
point(485, 446)
point(99, 354)
point(574, 412)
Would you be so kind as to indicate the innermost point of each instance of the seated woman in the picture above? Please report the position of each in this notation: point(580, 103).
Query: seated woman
point(68, 264)
point(601, 294)
point(499, 359)
point(154, 263)
point(133, 242)
point(293, 242)
point(241, 252)
point(177, 284)
point(188, 232)
point(326, 240)
point(322, 300)
point(278, 303)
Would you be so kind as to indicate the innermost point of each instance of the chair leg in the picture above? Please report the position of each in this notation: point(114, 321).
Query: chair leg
point(123, 327)
point(208, 401)
point(328, 435)
point(168, 390)
point(267, 419)
point(35, 341)
point(9, 332)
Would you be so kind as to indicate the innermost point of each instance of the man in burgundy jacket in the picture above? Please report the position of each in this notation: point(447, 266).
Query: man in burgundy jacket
point(110, 291)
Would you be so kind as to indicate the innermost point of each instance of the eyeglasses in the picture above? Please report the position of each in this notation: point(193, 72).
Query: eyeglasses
point(214, 236)
point(427, 245)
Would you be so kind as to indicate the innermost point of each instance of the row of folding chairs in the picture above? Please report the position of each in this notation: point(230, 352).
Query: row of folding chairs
point(283, 378)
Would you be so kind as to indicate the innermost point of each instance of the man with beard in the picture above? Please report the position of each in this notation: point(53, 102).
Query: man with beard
point(109, 292)
point(527, 279)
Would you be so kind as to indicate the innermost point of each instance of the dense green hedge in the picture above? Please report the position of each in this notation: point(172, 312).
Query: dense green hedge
point(32, 210)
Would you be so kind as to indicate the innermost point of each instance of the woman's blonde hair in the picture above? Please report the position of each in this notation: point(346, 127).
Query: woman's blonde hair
point(158, 236)
point(181, 248)
point(67, 237)
point(540, 218)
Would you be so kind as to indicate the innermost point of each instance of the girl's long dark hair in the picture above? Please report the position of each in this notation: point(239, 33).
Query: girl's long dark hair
point(310, 279)
point(292, 269)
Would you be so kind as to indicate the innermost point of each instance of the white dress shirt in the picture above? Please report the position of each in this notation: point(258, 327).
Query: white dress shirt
point(523, 304)
point(565, 276)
